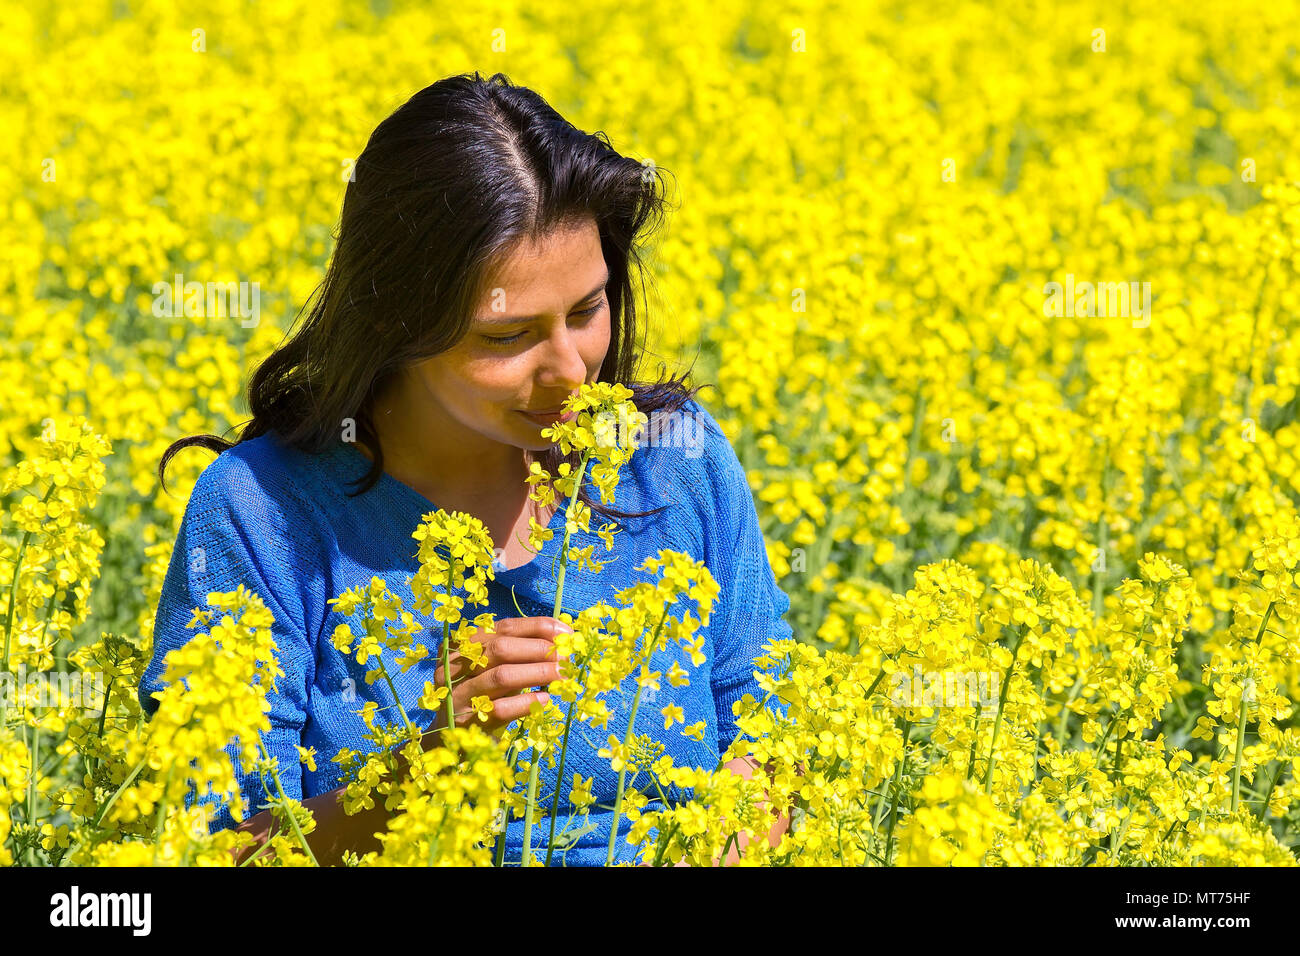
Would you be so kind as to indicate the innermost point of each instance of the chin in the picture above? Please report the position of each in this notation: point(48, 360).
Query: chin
point(530, 438)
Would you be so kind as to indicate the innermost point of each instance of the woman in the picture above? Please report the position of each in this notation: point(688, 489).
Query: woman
point(483, 272)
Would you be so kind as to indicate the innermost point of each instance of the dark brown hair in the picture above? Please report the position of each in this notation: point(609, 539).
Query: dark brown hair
point(446, 185)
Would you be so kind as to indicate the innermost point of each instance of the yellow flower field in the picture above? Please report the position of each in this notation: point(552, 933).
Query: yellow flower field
point(1002, 306)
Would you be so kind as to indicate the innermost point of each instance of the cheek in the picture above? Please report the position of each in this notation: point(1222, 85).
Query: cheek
point(596, 347)
point(473, 378)
point(496, 378)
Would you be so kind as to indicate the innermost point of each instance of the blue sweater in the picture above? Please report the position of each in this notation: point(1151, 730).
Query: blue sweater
point(279, 521)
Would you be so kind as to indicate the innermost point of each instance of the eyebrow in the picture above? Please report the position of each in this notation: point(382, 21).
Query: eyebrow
point(506, 319)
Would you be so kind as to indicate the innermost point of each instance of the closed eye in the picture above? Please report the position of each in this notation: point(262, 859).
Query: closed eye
point(504, 340)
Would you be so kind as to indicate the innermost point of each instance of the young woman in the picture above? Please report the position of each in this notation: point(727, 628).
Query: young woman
point(483, 272)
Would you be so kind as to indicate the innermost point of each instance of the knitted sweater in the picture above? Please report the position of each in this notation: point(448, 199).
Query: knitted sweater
point(279, 521)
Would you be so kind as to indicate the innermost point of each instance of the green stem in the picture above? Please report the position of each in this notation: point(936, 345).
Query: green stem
point(622, 779)
point(13, 590)
point(103, 716)
point(726, 848)
point(162, 812)
point(1241, 721)
point(874, 684)
point(559, 777)
point(1101, 744)
point(564, 547)
point(446, 657)
point(664, 840)
point(1002, 701)
point(555, 613)
point(31, 776)
point(60, 664)
point(627, 737)
point(1236, 764)
point(436, 843)
point(1119, 754)
point(898, 778)
point(383, 672)
point(499, 851)
point(103, 810)
point(1063, 724)
point(527, 858)
point(975, 736)
point(1268, 794)
point(288, 812)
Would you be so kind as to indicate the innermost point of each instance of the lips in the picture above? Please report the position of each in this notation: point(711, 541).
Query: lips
point(547, 417)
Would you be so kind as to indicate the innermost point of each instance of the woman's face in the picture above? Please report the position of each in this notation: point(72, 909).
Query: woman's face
point(542, 331)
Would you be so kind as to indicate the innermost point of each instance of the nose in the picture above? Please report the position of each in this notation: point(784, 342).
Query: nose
point(562, 365)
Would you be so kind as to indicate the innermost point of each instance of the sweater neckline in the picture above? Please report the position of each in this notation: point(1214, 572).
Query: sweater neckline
point(522, 574)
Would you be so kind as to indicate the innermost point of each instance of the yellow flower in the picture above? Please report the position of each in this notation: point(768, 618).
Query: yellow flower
point(472, 651)
point(606, 533)
point(432, 697)
point(538, 533)
point(580, 795)
point(341, 638)
point(695, 731)
point(615, 752)
point(482, 705)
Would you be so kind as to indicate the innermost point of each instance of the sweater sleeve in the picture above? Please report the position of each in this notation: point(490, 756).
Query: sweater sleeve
point(245, 526)
point(750, 608)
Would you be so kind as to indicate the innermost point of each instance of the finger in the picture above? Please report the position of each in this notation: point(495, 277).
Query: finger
point(541, 627)
point(461, 666)
point(508, 679)
point(509, 709)
point(516, 640)
point(518, 650)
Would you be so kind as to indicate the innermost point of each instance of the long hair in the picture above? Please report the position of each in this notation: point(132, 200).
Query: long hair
point(446, 185)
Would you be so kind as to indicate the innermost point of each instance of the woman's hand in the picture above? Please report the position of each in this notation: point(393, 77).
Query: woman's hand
point(520, 655)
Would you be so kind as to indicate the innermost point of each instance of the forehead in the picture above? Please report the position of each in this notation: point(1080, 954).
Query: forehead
point(551, 273)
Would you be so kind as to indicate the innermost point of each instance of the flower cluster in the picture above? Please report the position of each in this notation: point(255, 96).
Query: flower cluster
point(605, 448)
point(214, 695)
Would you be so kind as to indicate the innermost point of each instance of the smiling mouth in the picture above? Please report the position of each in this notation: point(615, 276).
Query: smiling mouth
point(547, 417)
